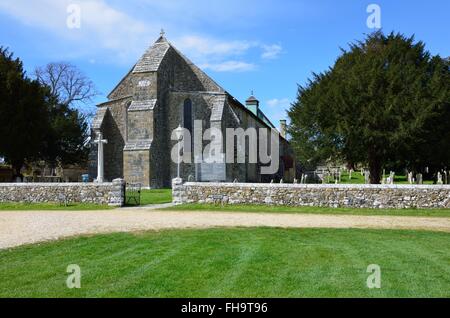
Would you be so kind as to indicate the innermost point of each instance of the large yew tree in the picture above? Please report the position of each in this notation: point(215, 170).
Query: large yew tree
point(38, 118)
point(385, 101)
point(23, 113)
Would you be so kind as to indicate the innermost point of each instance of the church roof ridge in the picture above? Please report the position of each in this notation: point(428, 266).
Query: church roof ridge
point(152, 58)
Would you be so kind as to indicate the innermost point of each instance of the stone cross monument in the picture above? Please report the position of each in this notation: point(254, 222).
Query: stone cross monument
point(100, 142)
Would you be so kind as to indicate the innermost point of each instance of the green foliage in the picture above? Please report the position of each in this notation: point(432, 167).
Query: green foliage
point(65, 142)
point(386, 101)
point(23, 113)
point(233, 263)
point(34, 123)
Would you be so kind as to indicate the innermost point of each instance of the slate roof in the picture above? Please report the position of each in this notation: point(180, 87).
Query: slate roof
point(99, 117)
point(152, 58)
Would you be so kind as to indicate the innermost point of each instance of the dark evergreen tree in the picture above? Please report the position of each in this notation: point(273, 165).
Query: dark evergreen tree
point(23, 113)
point(66, 141)
point(385, 101)
point(35, 124)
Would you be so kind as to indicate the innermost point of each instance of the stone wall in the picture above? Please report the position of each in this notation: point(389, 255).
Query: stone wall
point(112, 194)
point(355, 196)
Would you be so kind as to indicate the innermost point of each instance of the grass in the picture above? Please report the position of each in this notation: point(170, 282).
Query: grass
point(156, 196)
point(358, 178)
point(238, 262)
point(52, 207)
point(310, 210)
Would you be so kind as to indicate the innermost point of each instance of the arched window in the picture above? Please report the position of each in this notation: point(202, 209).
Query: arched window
point(187, 115)
point(127, 105)
point(187, 124)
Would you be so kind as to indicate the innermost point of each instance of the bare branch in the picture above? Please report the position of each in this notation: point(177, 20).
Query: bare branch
point(67, 83)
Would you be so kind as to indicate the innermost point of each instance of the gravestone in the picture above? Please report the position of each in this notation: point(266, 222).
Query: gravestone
point(419, 178)
point(391, 177)
point(410, 177)
point(439, 178)
point(213, 172)
point(367, 176)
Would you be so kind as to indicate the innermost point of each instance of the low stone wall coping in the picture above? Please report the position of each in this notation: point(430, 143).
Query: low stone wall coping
point(396, 196)
point(56, 184)
point(320, 186)
point(111, 193)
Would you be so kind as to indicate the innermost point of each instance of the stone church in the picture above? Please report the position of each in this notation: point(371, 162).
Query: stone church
point(163, 91)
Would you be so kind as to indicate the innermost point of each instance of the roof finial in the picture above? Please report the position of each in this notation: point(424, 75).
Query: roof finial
point(252, 92)
point(162, 33)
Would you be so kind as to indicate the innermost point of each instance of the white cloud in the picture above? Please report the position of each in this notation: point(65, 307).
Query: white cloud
point(276, 109)
point(279, 103)
point(102, 26)
point(271, 51)
point(230, 66)
point(110, 34)
point(206, 46)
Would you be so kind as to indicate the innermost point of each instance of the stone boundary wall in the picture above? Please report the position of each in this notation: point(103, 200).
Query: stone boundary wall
point(112, 193)
point(355, 196)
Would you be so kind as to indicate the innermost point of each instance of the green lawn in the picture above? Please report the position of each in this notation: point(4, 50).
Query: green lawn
point(309, 210)
point(233, 263)
point(156, 196)
point(51, 206)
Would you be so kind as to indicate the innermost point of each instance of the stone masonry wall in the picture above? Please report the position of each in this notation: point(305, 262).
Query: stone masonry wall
point(355, 196)
point(112, 194)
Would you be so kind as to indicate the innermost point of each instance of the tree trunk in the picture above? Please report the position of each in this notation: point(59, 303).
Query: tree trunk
point(351, 166)
point(17, 166)
point(375, 170)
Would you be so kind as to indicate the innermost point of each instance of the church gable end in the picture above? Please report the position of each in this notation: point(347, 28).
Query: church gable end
point(162, 91)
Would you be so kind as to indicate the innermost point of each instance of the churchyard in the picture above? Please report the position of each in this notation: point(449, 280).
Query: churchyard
point(228, 260)
point(167, 187)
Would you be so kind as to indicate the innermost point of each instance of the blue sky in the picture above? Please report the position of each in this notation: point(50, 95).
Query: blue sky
point(261, 45)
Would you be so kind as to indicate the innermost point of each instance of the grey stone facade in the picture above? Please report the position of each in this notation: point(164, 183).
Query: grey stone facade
point(112, 193)
point(354, 196)
point(148, 104)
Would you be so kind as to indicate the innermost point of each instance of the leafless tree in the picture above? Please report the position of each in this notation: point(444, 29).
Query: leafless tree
point(68, 84)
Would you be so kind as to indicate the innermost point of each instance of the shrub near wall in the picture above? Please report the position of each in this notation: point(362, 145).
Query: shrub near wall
point(358, 196)
point(112, 194)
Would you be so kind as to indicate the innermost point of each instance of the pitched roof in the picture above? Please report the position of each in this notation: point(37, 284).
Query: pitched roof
point(99, 117)
point(151, 61)
point(152, 58)
point(251, 99)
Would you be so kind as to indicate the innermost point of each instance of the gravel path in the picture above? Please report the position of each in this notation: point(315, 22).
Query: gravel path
point(19, 228)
